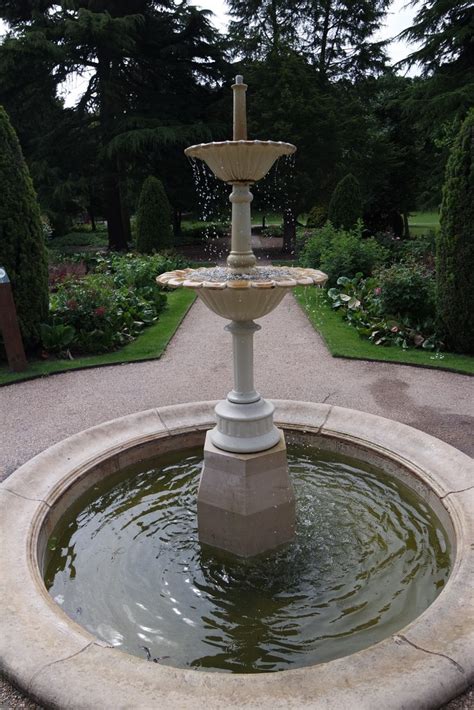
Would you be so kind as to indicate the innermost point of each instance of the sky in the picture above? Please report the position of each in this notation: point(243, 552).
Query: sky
point(399, 17)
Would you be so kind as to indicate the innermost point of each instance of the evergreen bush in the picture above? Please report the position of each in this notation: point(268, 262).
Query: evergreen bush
point(22, 247)
point(340, 252)
point(317, 217)
point(455, 244)
point(345, 207)
point(153, 218)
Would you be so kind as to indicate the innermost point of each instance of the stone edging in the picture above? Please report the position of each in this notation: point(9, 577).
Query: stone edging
point(63, 666)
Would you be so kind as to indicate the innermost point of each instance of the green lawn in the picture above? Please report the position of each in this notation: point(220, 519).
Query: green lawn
point(150, 345)
point(423, 222)
point(343, 341)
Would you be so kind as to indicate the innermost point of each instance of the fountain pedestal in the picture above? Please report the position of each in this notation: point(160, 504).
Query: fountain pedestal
point(246, 504)
point(245, 500)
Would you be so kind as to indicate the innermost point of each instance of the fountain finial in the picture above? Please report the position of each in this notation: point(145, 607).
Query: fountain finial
point(240, 112)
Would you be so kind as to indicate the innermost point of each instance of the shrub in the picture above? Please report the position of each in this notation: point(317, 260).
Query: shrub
point(109, 307)
point(455, 244)
point(153, 224)
point(361, 305)
point(407, 289)
point(22, 247)
point(345, 207)
point(340, 252)
point(317, 217)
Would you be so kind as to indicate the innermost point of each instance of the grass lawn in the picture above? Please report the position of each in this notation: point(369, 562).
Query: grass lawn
point(342, 340)
point(150, 345)
point(423, 222)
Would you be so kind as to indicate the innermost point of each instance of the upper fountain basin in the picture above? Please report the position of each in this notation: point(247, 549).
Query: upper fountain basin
point(240, 161)
point(242, 296)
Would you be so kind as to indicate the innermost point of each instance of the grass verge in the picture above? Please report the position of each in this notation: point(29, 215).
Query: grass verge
point(343, 340)
point(150, 345)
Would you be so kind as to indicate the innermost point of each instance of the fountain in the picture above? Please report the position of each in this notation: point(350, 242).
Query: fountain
point(245, 500)
point(369, 606)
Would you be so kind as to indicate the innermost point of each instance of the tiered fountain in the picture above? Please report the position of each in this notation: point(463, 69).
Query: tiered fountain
point(370, 607)
point(245, 500)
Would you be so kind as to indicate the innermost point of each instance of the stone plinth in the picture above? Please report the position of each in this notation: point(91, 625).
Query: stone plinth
point(246, 504)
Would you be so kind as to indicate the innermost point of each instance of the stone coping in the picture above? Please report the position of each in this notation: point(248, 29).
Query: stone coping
point(61, 665)
point(290, 277)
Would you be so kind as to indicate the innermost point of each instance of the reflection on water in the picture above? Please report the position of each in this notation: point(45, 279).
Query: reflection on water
point(126, 564)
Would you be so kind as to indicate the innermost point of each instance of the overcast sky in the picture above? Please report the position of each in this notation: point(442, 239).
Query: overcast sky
point(399, 17)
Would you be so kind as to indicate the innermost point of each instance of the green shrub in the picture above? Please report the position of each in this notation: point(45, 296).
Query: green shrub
point(455, 244)
point(340, 252)
point(317, 217)
point(22, 248)
point(345, 207)
point(153, 223)
point(361, 304)
point(110, 306)
point(407, 289)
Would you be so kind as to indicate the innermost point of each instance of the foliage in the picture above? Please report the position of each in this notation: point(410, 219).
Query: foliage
point(336, 36)
point(407, 290)
point(344, 341)
point(134, 56)
point(345, 206)
point(362, 306)
point(153, 218)
point(199, 231)
point(150, 345)
point(317, 217)
point(339, 252)
point(443, 33)
point(455, 244)
point(22, 248)
point(108, 307)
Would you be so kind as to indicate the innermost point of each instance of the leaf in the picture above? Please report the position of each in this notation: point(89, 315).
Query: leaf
point(343, 280)
point(345, 297)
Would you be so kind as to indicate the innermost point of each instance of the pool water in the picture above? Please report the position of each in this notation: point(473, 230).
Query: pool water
point(125, 563)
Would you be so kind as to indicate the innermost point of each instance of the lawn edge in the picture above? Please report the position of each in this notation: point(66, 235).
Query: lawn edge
point(26, 377)
point(349, 356)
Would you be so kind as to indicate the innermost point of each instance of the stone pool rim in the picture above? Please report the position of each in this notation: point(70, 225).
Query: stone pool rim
point(60, 664)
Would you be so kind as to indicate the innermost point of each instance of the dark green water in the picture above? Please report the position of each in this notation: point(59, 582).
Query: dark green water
point(126, 564)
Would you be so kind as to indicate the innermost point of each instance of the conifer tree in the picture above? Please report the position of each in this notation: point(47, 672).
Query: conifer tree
point(345, 207)
point(153, 217)
point(22, 249)
point(455, 244)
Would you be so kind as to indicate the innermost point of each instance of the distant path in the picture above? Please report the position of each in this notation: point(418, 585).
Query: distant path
point(291, 363)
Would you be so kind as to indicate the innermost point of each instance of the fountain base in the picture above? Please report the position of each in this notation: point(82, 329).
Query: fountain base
point(246, 503)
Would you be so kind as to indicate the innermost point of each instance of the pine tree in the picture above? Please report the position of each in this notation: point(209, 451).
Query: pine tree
point(22, 249)
point(345, 207)
point(455, 244)
point(153, 217)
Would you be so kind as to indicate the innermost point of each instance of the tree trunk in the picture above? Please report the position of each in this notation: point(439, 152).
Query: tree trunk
point(289, 231)
point(406, 227)
point(264, 224)
point(177, 217)
point(113, 213)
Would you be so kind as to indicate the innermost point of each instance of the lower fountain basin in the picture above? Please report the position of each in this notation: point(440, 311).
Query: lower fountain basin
point(62, 665)
point(245, 296)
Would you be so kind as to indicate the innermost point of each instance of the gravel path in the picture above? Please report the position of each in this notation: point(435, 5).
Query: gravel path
point(291, 362)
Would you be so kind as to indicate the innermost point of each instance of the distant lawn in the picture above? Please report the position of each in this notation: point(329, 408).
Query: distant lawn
point(343, 340)
point(423, 222)
point(150, 345)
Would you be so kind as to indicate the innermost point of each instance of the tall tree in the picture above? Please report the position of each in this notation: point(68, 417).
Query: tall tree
point(22, 247)
point(286, 103)
point(335, 35)
point(140, 60)
point(455, 244)
point(444, 33)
